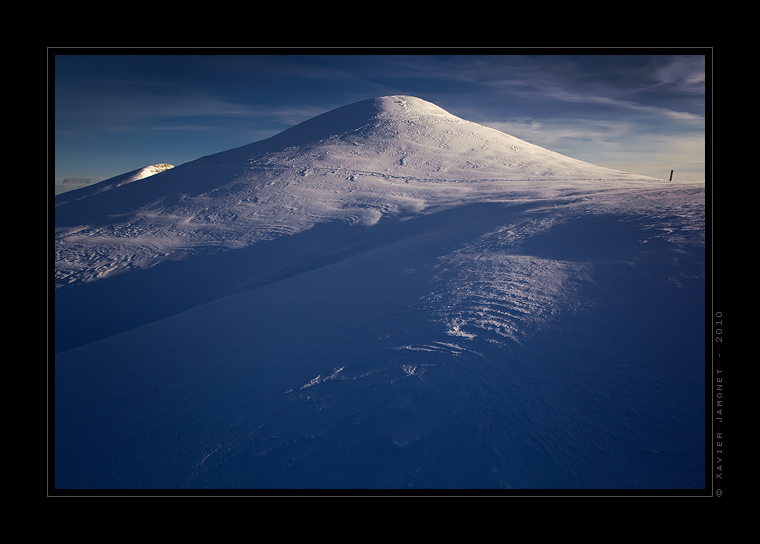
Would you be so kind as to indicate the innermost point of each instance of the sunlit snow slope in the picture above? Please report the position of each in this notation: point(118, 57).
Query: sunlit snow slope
point(385, 296)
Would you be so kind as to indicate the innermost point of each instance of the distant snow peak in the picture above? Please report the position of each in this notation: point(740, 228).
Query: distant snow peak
point(101, 185)
point(147, 172)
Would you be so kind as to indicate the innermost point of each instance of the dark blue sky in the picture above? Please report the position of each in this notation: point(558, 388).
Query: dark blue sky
point(114, 113)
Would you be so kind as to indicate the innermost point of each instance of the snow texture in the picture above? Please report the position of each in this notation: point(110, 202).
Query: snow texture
point(384, 297)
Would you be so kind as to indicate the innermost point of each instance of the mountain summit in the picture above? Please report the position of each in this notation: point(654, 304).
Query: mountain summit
point(409, 138)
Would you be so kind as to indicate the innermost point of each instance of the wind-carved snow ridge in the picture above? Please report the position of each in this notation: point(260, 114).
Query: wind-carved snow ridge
point(508, 295)
point(488, 289)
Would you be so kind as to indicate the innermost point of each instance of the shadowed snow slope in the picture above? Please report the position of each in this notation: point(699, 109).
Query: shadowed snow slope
point(385, 296)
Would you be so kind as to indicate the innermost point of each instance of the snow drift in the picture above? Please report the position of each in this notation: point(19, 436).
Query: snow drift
point(385, 296)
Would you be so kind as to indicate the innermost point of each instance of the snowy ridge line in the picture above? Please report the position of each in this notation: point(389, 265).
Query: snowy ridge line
point(348, 172)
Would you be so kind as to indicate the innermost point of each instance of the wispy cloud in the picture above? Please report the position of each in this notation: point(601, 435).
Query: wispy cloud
point(563, 133)
point(624, 105)
point(132, 108)
point(666, 87)
point(686, 73)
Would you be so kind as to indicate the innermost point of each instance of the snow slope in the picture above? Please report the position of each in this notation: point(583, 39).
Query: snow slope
point(383, 297)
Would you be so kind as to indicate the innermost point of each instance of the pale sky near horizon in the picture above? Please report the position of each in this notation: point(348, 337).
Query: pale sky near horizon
point(112, 112)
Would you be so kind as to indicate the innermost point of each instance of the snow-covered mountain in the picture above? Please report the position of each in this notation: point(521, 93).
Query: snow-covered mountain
point(377, 157)
point(385, 296)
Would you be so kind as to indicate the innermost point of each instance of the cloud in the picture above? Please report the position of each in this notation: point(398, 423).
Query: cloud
point(685, 73)
point(75, 181)
point(129, 107)
point(626, 105)
point(652, 87)
point(71, 183)
point(562, 133)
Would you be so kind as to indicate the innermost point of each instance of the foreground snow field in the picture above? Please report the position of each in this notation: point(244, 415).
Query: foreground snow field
point(384, 297)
